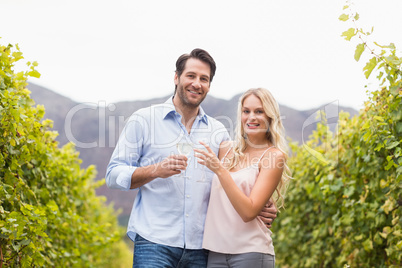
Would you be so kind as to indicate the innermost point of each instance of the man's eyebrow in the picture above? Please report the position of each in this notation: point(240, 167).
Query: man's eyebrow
point(191, 72)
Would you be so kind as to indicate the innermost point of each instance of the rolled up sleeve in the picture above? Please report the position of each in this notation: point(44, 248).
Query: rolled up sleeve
point(124, 160)
point(119, 177)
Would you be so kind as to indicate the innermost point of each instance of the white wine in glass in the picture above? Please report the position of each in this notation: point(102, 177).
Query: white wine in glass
point(184, 148)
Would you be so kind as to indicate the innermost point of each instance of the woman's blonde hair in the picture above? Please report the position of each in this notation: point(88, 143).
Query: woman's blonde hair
point(275, 135)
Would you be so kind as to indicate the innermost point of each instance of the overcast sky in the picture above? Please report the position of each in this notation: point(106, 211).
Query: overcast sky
point(92, 50)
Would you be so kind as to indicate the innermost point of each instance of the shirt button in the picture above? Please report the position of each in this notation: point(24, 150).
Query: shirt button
point(186, 215)
point(188, 196)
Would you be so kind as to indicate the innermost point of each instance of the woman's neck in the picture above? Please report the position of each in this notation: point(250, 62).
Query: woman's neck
point(258, 143)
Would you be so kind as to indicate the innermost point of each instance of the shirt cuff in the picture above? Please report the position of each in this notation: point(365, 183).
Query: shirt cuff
point(123, 177)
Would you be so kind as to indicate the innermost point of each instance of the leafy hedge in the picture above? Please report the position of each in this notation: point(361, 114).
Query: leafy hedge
point(344, 206)
point(49, 212)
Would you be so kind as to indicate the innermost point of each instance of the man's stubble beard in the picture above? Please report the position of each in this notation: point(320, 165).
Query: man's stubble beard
point(185, 101)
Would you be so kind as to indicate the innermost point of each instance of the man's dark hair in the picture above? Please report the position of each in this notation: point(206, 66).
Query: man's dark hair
point(199, 54)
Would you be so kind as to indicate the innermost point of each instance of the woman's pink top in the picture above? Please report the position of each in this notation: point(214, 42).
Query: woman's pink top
point(225, 231)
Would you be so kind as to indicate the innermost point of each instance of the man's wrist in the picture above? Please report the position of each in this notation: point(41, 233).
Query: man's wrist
point(153, 171)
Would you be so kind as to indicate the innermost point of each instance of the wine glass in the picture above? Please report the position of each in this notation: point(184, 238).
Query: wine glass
point(203, 173)
point(184, 148)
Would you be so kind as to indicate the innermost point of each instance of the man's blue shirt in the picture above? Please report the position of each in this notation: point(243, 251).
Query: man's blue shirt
point(169, 211)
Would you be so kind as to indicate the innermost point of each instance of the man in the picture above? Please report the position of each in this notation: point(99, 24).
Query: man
point(167, 219)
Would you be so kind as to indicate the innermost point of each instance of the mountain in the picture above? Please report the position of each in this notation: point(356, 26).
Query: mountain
point(95, 127)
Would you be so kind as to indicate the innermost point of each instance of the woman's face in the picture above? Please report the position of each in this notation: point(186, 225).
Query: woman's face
point(253, 118)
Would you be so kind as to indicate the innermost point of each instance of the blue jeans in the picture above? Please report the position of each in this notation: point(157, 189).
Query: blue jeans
point(151, 255)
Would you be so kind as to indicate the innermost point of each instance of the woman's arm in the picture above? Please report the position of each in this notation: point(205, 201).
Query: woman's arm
point(248, 207)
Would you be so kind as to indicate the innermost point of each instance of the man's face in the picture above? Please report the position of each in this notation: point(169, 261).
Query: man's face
point(193, 84)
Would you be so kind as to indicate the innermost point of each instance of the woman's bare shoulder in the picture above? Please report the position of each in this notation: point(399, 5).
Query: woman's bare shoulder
point(272, 156)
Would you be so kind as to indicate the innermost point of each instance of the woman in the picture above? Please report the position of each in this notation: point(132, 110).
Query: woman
point(248, 172)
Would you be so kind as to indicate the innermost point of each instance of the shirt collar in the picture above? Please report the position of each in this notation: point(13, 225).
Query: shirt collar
point(168, 108)
point(202, 116)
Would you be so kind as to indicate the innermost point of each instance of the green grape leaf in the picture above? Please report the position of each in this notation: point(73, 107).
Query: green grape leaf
point(359, 50)
point(356, 17)
point(370, 66)
point(392, 145)
point(349, 34)
point(34, 73)
point(343, 17)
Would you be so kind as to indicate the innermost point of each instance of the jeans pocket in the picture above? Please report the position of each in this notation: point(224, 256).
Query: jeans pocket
point(140, 240)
